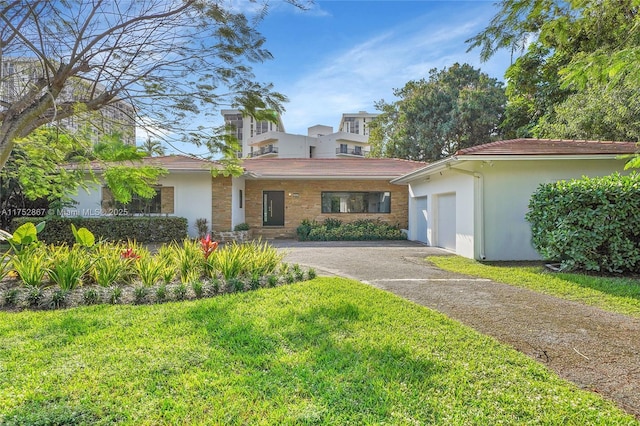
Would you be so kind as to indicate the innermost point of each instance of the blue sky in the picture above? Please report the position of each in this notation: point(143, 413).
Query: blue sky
point(343, 56)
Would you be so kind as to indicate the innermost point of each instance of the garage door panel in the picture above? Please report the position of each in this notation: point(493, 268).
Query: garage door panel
point(446, 237)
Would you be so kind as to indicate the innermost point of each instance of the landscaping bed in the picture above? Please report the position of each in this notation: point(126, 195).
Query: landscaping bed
point(14, 296)
point(38, 276)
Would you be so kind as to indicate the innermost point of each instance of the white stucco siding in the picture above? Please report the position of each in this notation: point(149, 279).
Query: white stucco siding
point(191, 197)
point(293, 146)
point(238, 201)
point(449, 182)
point(88, 202)
point(508, 187)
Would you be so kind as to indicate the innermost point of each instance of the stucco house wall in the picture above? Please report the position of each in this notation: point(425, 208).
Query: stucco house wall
point(492, 199)
point(192, 198)
point(508, 187)
point(303, 201)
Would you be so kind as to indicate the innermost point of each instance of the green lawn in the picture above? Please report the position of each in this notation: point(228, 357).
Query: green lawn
point(621, 295)
point(327, 351)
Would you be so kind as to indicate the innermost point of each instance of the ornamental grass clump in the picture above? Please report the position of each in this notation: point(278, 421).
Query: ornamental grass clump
point(67, 266)
point(188, 259)
point(31, 265)
point(149, 269)
point(179, 271)
point(109, 266)
point(262, 258)
point(5, 264)
point(230, 260)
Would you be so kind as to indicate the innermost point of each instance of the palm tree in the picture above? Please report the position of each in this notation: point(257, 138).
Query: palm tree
point(152, 148)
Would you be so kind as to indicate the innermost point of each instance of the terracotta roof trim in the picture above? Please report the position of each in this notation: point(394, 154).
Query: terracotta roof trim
point(518, 147)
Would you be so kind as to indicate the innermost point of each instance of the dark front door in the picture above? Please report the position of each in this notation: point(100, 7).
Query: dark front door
point(273, 208)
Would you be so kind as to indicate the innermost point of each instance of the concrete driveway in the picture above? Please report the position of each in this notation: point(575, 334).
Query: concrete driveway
point(373, 262)
point(597, 350)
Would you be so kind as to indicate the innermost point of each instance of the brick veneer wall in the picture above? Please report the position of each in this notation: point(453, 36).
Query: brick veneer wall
point(308, 205)
point(221, 204)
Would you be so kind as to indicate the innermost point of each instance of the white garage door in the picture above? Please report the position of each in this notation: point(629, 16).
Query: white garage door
point(421, 219)
point(446, 219)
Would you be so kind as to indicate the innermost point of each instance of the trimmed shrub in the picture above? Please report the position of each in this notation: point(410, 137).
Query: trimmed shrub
point(359, 230)
point(144, 229)
point(591, 223)
point(305, 228)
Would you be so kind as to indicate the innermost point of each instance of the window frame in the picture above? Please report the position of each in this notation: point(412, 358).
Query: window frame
point(155, 201)
point(327, 206)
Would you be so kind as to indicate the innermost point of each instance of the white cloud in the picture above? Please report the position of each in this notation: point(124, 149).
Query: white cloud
point(354, 78)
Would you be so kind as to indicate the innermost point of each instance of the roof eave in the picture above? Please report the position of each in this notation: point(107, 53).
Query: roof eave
point(430, 169)
point(444, 164)
point(257, 176)
point(539, 157)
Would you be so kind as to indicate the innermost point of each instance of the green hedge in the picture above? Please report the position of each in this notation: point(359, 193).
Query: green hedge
point(591, 224)
point(119, 228)
point(359, 230)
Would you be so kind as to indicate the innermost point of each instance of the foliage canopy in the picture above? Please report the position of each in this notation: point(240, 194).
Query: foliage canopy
point(456, 108)
point(171, 59)
point(570, 54)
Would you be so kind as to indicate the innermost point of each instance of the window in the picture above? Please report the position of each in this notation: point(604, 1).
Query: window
point(240, 198)
point(161, 202)
point(262, 127)
point(356, 202)
point(144, 205)
point(343, 148)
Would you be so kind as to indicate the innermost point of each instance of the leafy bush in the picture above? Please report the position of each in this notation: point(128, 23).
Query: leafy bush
point(241, 227)
point(59, 298)
point(202, 225)
point(359, 230)
point(305, 228)
point(118, 228)
point(11, 297)
point(90, 297)
point(34, 295)
point(591, 223)
point(331, 223)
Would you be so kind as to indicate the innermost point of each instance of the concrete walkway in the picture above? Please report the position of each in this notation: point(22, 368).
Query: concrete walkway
point(597, 350)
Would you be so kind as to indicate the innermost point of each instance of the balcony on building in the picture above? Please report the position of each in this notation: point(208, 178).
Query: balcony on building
point(345, 150)
point(264, 151)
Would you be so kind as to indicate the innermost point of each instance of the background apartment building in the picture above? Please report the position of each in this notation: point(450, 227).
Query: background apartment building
point(16, 75)
point(264, 139)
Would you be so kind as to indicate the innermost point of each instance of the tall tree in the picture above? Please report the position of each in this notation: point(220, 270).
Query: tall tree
point(571, 51)
point(455, 108)
point(596, 112)
point(172, 59)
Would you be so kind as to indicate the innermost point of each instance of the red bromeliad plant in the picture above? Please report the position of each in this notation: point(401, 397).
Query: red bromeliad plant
point(208, 246)
point(129, 253)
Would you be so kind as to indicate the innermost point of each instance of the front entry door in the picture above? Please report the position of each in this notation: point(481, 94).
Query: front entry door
point(273, 208)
